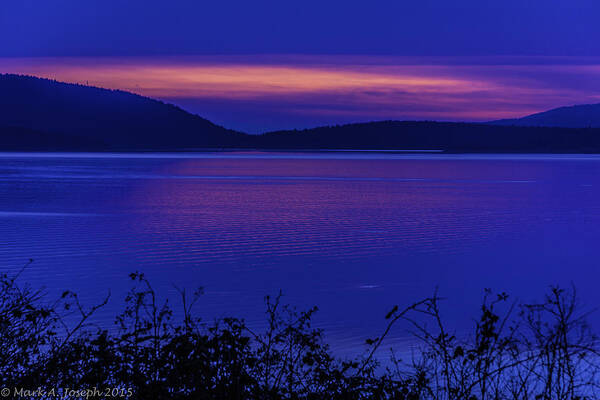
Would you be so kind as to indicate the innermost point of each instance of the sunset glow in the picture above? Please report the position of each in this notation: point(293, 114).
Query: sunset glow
point(334, 89)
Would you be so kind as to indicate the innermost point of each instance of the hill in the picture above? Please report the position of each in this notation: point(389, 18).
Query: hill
point(21, 139)
point(99, 119)
point(580, 116)
point(44, 115)
point(443, 136)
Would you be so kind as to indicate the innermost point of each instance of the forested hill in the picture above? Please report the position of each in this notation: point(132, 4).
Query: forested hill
point(92, 116)
point(44, 115)
point(443, 136)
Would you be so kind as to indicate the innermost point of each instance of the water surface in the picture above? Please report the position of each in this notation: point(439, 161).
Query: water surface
point(353, 233)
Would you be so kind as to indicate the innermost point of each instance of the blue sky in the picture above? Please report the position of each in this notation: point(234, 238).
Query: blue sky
point(399, 27)
point(544, 39)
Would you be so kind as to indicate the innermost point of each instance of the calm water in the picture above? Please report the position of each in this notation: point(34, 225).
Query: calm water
point(352, 233)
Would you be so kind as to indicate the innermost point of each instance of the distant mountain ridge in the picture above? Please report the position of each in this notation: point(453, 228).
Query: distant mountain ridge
point(110, 119)
point(44, 115)
point(579, 116)
point(442, 136)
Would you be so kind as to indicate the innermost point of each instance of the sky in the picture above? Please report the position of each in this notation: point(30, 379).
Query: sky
point(265, 65)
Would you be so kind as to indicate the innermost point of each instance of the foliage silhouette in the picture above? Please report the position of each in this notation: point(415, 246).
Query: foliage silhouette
point(516, 351)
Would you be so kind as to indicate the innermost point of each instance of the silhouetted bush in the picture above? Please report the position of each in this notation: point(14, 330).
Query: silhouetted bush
point(516, 351)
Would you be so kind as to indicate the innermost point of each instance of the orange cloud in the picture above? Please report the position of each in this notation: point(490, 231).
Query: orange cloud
point(237, 80)
point(370, 87)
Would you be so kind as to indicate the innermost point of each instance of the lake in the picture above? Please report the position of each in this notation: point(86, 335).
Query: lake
point(352, 233)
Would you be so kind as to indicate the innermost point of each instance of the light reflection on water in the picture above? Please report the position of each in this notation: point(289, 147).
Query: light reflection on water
point(352, 233)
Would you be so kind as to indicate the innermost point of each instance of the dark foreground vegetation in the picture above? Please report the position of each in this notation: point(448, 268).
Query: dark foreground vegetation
point(515, 351)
